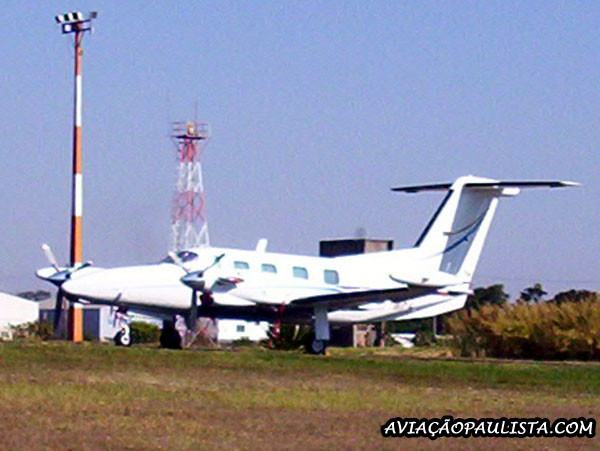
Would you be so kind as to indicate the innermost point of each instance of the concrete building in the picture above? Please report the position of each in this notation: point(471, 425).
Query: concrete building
point(98, 320)
point(351, 246)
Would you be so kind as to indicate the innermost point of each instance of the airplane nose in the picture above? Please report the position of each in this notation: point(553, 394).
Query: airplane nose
point(112, 285)
point(96, 287)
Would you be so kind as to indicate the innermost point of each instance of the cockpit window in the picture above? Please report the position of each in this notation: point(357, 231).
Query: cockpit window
point(187, 256)
point(184, 256)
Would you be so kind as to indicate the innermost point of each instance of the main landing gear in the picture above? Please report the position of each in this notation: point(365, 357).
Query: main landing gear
point(314, 346)
point(317, 343)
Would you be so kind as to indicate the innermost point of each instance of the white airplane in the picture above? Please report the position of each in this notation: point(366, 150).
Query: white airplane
point(429, 279)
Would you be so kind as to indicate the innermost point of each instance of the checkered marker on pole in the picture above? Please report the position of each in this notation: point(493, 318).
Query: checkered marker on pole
point(69, 17)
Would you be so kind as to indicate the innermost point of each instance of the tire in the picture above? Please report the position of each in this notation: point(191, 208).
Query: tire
point(169, 337)
point(314, 346)
point(318, 347)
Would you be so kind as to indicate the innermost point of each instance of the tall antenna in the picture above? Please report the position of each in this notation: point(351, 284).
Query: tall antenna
point(75, 22)
point(188, 221)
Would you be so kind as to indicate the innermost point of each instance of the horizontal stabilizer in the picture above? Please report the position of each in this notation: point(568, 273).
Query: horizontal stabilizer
point(488, 184)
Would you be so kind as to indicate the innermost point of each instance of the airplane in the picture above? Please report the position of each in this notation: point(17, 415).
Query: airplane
point(431, 278)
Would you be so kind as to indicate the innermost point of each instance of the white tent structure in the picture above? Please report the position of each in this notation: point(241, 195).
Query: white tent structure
point(14, 311)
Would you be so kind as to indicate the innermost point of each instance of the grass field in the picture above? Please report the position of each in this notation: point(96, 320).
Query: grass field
point(62, 396)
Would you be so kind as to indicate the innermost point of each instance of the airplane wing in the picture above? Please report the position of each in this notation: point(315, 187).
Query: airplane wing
point(353, 299)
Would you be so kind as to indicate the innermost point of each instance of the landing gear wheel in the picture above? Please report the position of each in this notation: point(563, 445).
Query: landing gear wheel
point(169, 337)
point(315, 346)
point(123, 337)
point(318, 347)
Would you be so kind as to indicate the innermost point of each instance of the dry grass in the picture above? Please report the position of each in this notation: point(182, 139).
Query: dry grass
point(61, 396)
point(548, 330)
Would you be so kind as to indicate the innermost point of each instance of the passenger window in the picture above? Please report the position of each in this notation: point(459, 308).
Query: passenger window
point(331, 276)
point(241, 265)
point(300, 272)
point(267, 267)
point(240, 328)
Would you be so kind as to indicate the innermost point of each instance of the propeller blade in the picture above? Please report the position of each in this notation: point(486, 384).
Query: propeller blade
point(58, 308)
point(217, 260)
point(177, 261)
point(50, 256)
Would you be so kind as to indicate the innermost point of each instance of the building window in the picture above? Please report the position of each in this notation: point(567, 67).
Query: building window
point(241, 265)
point(300, 272)
point(331, 276)
point(240, 328)
point(267, 267)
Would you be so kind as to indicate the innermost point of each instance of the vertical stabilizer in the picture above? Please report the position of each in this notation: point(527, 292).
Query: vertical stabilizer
point(453, 239)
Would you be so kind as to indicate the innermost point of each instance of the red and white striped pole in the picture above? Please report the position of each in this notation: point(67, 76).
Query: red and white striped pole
point(75, 310)
point(77, 187)
point(74, 22)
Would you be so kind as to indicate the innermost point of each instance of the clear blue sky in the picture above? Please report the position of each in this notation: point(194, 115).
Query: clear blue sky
point(317, 109)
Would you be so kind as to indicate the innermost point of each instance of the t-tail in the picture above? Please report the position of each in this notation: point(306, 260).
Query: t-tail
point(452, 241)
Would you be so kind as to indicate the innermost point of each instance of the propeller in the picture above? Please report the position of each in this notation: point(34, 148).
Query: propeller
point(196, 280)
point(58, 278)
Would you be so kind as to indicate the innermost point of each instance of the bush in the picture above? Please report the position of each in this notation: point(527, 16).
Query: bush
point(36, 329)
point(287, 336)
point(424, 338)
point(243, 342)
point(144, 332)
point(550, 330)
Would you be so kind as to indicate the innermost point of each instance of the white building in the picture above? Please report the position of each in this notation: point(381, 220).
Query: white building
point(231, 330)
point(14, 311)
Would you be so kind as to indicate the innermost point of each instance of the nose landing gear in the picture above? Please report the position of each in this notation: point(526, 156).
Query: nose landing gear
point(123, 337)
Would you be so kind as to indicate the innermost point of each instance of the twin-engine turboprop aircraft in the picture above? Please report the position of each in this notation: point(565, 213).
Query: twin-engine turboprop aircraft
point(429, 279)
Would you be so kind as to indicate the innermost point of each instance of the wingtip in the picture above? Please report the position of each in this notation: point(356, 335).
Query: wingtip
point(567, 183)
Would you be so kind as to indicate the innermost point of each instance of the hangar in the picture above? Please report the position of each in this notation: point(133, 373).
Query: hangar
point(15, 310)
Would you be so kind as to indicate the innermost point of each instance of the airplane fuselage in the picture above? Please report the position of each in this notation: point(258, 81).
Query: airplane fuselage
point(267, 283)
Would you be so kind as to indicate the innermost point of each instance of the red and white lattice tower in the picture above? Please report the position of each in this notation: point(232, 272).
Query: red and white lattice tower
point(188, 221)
